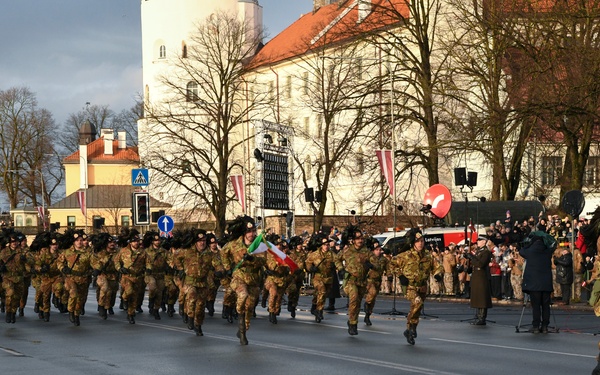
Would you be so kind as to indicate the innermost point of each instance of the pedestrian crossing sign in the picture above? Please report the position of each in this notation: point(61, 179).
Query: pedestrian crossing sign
point(139, 177)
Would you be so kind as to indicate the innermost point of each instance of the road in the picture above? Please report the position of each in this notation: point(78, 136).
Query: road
point(445, 345)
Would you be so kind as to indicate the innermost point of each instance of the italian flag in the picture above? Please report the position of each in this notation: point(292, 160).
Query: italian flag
point(260, 245)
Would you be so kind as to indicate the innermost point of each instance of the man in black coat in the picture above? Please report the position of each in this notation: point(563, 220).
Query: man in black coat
point(481, 297)
point(537, 279)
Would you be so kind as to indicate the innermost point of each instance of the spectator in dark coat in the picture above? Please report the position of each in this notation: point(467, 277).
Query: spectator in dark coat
point(564, 274)
point(537, 280)
point(481, 298)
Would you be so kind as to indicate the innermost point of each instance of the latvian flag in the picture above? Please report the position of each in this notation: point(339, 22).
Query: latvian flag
point(260, 245)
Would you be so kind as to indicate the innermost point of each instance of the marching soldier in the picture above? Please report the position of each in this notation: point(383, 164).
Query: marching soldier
point(12, 268)
point(355, 261)
point(28, 275)
point(214, 281)
point(194, 264)
point(156, 266)
point(321, 264)
point(171, 288)
point(130, 261)
point(75, 266)
point(107, 276)
point(414, 267)
point(275, 284)
point(296, 279)
point(374, 277)
point(48, 271)
point(245, 270)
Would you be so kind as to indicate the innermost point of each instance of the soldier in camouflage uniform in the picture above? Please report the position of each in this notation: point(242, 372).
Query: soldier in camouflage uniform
point(156, 267)
point(171, 288)
point(275, 284)
point(46, 267)
point(245, 270)
point(355, 261)
point(321, 263)
point(12, 268)
point(296, 279)
point(107, 276)
point(130, 261)
point(214, 281)
point(75, 267)
point(414, 267)
point(374, 277)
point(196, 263)
point(29, 274)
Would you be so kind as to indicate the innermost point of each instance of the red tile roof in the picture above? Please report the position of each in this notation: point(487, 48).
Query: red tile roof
point(96, 154)
point(328, 25)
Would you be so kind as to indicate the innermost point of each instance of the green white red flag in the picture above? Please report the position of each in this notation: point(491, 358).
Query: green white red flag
point(260, 245)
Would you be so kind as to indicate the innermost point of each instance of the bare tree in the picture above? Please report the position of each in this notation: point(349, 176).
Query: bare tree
point(194, 135)
point(126, 121)
point(99, 115)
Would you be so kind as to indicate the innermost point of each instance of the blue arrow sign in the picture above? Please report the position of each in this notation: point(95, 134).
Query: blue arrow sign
point(165, 223)
point(140, 177)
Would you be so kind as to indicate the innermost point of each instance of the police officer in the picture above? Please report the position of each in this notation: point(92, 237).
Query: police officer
point(414, 267)
point(245, 270)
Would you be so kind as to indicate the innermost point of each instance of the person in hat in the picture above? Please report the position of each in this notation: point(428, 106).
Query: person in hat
point(354, 259)
point(275, 281)
point(245, 270)
point(130, 261)
point(374, 277)
point(12, 269)
point(414, 267)
point(296, 279)
point(156, 266)
point(46, 267)
point(214, 282)
point(481, 296)
point(107, 277)
point(320, 262)
point(76, 269)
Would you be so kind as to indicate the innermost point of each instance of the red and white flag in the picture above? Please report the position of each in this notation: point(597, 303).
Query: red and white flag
point(387, 168)
point(240, 192)
point(42, 215)
point(81, 200)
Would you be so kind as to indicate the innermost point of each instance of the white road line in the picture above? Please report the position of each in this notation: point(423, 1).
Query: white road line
point(513, 348)
point(12, 352)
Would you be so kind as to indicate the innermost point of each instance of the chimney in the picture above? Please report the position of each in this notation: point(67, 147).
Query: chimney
point(122, 137)
point(321, 3)
point(108, 135)
point(364, 9)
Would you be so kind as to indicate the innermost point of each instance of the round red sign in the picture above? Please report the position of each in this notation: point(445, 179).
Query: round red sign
point(438, 196)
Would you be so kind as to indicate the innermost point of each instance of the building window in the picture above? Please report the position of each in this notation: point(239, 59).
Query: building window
point(551, 170)
point(271, 90)
point(18, 220)
point(360, 161)
point(288, 87)
point(28, 221)
point(307, 127)
point(319, 126)
point(191, 93)
point(184, 53)
point(308, 166)
point(124, 221)
point(592, 169)
point(305, 82)
point(162, 52)
point(70, 221)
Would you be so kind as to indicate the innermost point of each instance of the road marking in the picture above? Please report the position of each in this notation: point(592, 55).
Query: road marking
point(12, 352)
point(513, 348)
point(318, 353)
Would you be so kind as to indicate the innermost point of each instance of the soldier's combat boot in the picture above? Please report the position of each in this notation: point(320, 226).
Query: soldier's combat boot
point(36, 308)
point(181, 311)
point(352, 329)
point(156, 314)
point(41, 314)
point(21, 312)
point(263, 303)
point(292, 310)
point(7, 317)
point(413, 330)
point(190, 323)
point(409, 337)
point(111, 311)
point(210, 305)
point(102, 312)
point(46, 316)
point(151, 306)
point(185, 319)
point(76, 321)
point(121, 305)
point(274, 318)
point(131, 318)
point(225, 312)
point(318, 316)
point(198, 331)
point(241, 333)
point(232, 314)
point(2, 306)
point(170, 310)
point(313, 308)
point(368, 319)
point(71, 317)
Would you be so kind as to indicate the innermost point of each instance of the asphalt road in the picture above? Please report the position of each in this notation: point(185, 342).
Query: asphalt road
point(445, 345)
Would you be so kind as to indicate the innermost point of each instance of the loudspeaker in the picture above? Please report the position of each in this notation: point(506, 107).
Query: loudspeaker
point(460, 176)
point(318, 196)
point(309, 195)
point(472, 179)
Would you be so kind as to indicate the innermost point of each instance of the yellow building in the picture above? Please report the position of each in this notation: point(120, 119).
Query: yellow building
point(98, 182)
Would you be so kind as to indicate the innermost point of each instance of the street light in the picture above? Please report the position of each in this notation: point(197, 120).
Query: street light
point(43, 215)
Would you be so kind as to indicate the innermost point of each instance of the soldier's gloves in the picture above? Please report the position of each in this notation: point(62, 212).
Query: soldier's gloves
point(3, 268)
point(369, 265)
point(124, 271)
point(438, 277)
point(248, 257)
point(95, 273)
point(403, 280)
point(66, 270)
point(269, 272)
point(219, 274)
point(469, 256)
point(44, 268)
point(314, 269)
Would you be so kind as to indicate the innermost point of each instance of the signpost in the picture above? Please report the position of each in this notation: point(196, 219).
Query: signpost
point(165, 226)
point(140, 177)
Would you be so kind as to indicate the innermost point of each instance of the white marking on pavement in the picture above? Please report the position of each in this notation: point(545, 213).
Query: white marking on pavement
point(12, 352)
point(513, 348)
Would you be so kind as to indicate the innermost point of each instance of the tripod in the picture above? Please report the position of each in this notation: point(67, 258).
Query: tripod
point(527, 299)
point(394, 311)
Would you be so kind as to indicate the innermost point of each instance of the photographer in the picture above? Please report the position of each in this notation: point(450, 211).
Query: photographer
point(537, 277)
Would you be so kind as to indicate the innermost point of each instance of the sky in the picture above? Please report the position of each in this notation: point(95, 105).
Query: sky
point(70, 52)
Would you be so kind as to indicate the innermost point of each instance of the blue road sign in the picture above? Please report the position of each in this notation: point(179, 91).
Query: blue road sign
point(165, 223)
point(140, 177)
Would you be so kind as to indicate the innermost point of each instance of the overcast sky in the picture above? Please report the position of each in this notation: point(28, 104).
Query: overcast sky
point(69, 52)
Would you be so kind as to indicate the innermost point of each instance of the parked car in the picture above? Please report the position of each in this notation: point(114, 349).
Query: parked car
point(434, 236)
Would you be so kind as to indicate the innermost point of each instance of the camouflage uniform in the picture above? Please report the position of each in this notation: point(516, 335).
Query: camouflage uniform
point(320, 263)
point(195, 264)
point(171, 288)
point(107, 279)
point(374, 276)
point(50, 277)
point(416, 266)
point(275, 284)
point(354, 260)
point(130, 261)
point(12, 268)
point(245, 280)
point(156, 267)
point(214, 281)
point(295, 281)
point(75, 266)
